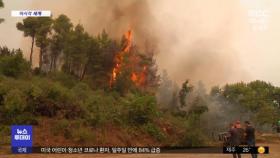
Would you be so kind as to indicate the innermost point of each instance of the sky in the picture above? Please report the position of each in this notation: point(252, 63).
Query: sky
point(214, 41)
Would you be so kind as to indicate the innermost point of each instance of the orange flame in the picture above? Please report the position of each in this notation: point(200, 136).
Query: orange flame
point(138, 78)
point(134, 77)
point(119, 57)
point(128, 38)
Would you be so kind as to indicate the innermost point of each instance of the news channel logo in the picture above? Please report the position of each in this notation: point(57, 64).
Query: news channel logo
point(259, 19)
point(258, 13)
point(21, 139)
point(31, 13)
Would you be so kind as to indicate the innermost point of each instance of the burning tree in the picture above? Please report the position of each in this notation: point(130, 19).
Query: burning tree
point(100, 60)
point(132, 68)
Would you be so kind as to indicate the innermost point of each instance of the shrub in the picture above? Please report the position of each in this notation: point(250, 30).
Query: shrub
point(65, 79)
point(5, 135)
point(154, 131)
point(72, 111)
point(101, 109)
point(61, 126)
point(193, 137)
point(59, 93)
point(24, 118)
point(45, 107)
point(14, 65)
point(15, 101)
point(142, 109)
point(82, 135)
point(81, 92)
point(35, 92)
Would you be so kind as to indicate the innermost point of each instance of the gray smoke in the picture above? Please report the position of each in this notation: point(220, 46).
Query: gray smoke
point(191, 41)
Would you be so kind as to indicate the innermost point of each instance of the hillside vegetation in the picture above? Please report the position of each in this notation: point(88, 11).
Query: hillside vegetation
point(94, 90)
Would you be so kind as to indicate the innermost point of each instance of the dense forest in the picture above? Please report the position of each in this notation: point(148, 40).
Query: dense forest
point(99, 85)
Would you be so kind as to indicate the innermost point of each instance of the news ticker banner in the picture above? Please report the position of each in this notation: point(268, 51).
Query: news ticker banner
point(22, 143)
point(140, 150)
point(31, 13)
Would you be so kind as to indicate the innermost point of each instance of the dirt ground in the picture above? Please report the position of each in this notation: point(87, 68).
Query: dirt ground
point(274, 153)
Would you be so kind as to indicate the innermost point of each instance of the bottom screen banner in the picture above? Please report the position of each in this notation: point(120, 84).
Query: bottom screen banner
point(139, 150)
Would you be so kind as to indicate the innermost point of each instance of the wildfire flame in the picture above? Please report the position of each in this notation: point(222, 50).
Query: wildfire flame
point(128, 38)
point(138, 78)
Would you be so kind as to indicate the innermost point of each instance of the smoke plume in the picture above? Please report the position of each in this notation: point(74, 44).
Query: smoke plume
point(193, 38)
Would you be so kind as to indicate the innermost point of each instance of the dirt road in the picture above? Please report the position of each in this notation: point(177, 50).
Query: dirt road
point(274, 153)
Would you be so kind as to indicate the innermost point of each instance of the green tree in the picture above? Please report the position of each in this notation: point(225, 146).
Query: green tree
point(102, 61)
point(123, 83)
point(152, 78)
point(36, 28)
point(198, 107)
point(257, 97)
point(12, 63)
point(85, 55)
point(1, 5)
point(62, 26)
point(42, 40)
point(5, 51)
point(77, 50)
point(185, 90)
point(29, 28)
point(92, 56)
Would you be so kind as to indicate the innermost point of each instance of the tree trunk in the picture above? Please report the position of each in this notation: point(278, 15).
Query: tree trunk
point(51, 64)
point(31, 53)
point(41, 59)
point(84, 72)
point(54, 62)
point(70, 67)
